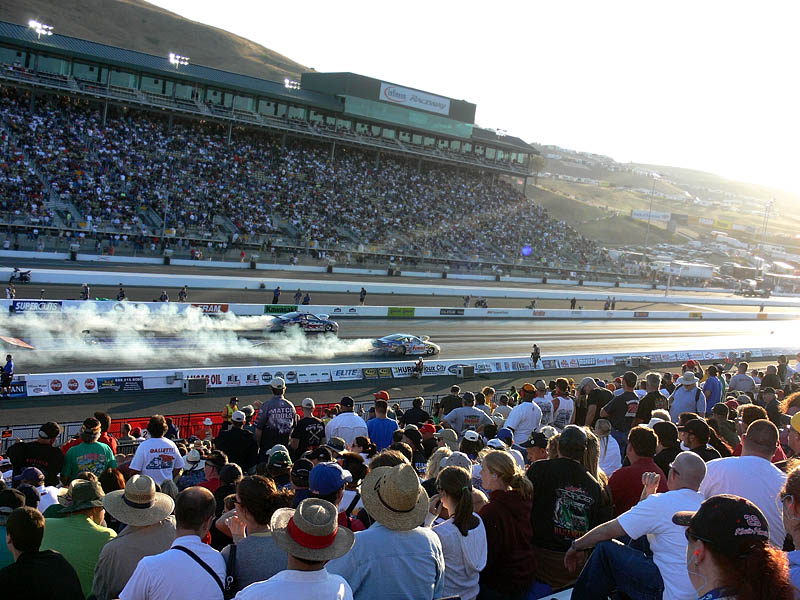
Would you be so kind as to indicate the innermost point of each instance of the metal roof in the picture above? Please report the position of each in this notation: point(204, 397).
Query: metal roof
point(160, 65)
point(509, 141)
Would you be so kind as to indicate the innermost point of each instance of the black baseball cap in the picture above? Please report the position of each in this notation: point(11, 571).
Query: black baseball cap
point(731, 524)
point(697, 427)
point(322, 454)
point(300, 472)
point(347, 401)
point(573, 437)
point(667, 433)
point(536, 440)
point(49, 430)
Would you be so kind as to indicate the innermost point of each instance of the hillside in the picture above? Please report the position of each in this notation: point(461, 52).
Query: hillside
point(137, 25)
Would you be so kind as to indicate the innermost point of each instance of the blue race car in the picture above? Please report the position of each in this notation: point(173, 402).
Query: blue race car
point(405, 343)
point(305, 321)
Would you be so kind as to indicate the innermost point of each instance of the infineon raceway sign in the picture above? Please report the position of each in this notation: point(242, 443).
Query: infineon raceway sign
point(407, 97)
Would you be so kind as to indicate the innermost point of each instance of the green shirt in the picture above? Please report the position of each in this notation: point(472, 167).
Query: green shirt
point(80, 540)
point(6, 558)
point(95, 458)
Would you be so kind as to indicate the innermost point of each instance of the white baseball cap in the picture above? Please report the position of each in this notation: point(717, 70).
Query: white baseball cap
point(308, 403)
point(471, 435)
point(278, 383)
point(237, 416)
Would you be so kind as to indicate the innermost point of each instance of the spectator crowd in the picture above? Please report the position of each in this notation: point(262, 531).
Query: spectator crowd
point(673, 485)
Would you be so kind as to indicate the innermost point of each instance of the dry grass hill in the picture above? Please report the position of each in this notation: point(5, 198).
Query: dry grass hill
point(137, 25)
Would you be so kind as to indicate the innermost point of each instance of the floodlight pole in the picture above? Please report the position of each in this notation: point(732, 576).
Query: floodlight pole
point(649, 216)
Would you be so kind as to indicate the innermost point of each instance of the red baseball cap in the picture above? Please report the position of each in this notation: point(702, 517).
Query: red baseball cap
point(427, 428)
point(382, 395)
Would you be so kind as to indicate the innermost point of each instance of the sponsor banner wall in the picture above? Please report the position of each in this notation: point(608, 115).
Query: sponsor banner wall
point(211, 308)
point(400, 311)
point(130, 383)
point(279, 309)
point(35, 306)
point(414, 99)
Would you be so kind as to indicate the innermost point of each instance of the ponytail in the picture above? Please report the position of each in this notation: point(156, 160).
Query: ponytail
point(505, 467)
point(455, 482)
point(522, 484)
point(719, 444)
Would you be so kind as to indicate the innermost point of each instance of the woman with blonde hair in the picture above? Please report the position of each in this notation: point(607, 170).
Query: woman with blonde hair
point(433, 469)
point(610, 458)
point(509, 570)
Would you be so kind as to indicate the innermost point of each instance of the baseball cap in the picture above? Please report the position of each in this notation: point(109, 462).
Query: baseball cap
point(795, 422)
point(457, 459)
point(237, 416)
point(49, 430)
point(308, 403)
point(347, 401)
point(732, 404)
point(427, 428)
point(448, 436)
point(327, 478)
point(382, 395)
point(573, 437)
point(537, 440)
point(336, 445)
point(413, 434)
point(528, 387)
point(732, 524)
point(667, 432)
point(300, 472)
point(720, 409)
point(472, 436)
point(321, 454)
point(280, 459)
point(768, 390)
point(506, 435)
point(696, 427)
point(278, 383)
point(31, 475)
point(497, 444)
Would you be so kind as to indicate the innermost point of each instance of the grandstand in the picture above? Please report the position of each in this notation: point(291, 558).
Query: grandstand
point(126, 150)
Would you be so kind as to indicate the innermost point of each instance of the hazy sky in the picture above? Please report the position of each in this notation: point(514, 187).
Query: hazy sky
point(700, 84)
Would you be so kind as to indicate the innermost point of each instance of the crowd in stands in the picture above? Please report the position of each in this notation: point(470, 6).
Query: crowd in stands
point(673, 485)
point(137, 161)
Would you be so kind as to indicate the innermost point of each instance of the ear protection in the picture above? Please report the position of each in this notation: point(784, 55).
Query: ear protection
point(697, 552)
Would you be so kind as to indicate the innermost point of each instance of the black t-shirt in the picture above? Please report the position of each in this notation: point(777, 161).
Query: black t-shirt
point(771, 380)
point(239, 445)
point(598, 397)
point(450, 402)
point(664, 458)
point(566, 502)
point(706, 453)
point(622, 409)
point(44, 457)
point(415, 416)
point(429, 446)
point(648, 404)
point(40, 575)
point(310, 433)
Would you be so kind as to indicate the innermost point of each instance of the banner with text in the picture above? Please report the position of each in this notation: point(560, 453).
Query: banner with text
point(414, 99)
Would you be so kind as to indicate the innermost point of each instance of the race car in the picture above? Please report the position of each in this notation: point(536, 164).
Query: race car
point(405, 343)
point(305, 321)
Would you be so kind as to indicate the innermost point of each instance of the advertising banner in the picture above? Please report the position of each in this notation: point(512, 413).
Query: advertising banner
point(641, 314)
point(641, 215)
point(377, 373)
point(211, 309)
point(279, 309)
point(414, 99)
point(344, 310)
point(347, 374)
point(35, 306)
point(119, 384)
point(450, 312)
point(403, 312)
point(313, 375)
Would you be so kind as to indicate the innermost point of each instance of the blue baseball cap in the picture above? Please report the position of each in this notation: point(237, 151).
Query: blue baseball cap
point(505, 434)
point(326, 478)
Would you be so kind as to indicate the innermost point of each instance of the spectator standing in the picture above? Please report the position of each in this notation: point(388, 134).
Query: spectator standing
point(395, 553)
point(105, 425)
point(276, 295)
point(310, 536)
point(362, 296)
point(751, 476)
point(78, 535)
point(535, 447)
point(415, 415)
point(481, 403)
point(157, 457)
point(149, 529)
point(525, 417)
point(687, 397)
point(466, 417)
point(190, 569)
point(510, 562)
point(35, 574)
point(462, 535)
point(446, 438)
point(309, 433)
point(327, 481)
point(771, 379)
point(237, 443)
point(89, 454)
point(347, 424)
point(621, 411)
point(652, 400)
point(381, 428)
point(742, 382)
point(7, 376)
point(276, 418)
point(450, 402)
point(39, 453)
point(567, 502)
point(298, 296)
point(748, 414)
point(626, 482)
point(502, 408)
point(541, 397)
point(227, 412)
point(614, 566)
point(563, 405)
point(589, 400)
point(712, 388)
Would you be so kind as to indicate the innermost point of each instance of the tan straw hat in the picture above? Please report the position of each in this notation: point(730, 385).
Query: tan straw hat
point(139, 504)
point(311, 532)
point(394, 497)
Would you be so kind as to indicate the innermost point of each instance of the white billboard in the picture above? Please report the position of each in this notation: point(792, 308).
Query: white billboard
point(641, 215)
point(407, 97)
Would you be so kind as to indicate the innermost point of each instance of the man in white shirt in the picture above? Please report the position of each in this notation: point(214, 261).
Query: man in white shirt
point(525, 417)
point(614, 566)
point(311, 537)
point(543, 399)
point(184, 572)
point(752, 475)
point(157, 457)
point(742, 382)
point(347, 424)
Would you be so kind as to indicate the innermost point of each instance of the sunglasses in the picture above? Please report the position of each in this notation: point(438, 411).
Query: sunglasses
point(693, 537)
point(672, 469)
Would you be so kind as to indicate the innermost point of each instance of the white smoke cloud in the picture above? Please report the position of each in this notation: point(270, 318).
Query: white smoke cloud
point(135, 336)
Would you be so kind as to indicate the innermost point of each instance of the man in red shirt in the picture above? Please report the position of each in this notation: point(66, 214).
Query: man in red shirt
point(105, 423)
point(214, 463)
point(626, 482)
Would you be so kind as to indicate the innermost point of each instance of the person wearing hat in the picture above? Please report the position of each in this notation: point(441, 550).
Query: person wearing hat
point(157, 456)
point(466, 417)
point(381, 428)
point(728, 554)
point(319, 455)
point(687, 397)
point(89, 455)
point(33, 477)
point(347, 424)
point(212, 465)
point(396, 553)
point(35, 574)
point(279, 465)
point(238, 443)
point(309, 433)
point(724, 426)
point(336, 445)
point(39, 453)
point(311, 537)
point(446, 438)
point(79, 535)
point(553, 528)
point(427, 431)
point(525, 417)
point(669, 444)
point(752, 475)
point(249, 411)
point(299, 475)
point(194, 470)
point(149, 530)
point(276, 418)
point(327, 481)
point(227, 412)
point(695, 436)
point(617, 567)
point(535, 447)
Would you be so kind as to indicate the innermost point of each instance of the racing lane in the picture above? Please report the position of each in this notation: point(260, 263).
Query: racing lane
point(458, 339)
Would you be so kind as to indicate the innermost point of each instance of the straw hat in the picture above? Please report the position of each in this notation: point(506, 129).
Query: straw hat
point(194, 460)
point(312, 531)
point(394, 497)
point(138, 504)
